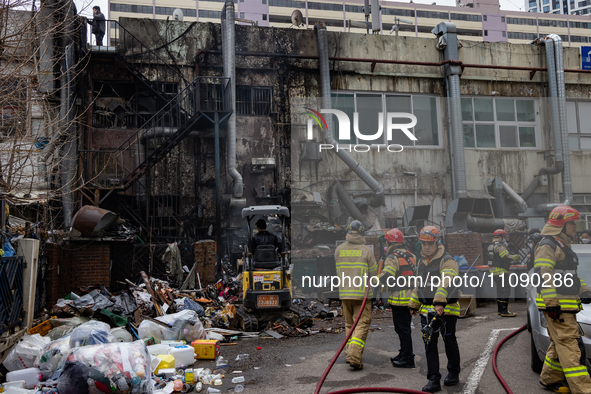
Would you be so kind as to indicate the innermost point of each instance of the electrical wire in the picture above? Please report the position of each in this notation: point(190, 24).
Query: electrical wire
point(494, 361)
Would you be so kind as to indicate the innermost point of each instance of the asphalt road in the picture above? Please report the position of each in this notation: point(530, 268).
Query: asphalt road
point(295, 365)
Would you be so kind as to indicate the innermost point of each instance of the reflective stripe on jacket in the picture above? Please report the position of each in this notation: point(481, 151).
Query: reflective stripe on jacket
point(356, 265)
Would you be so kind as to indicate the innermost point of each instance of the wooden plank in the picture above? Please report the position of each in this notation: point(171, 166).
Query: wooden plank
point(149, 287)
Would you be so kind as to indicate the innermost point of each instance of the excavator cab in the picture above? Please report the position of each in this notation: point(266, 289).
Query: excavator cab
point(266, 280)
point(266, 283)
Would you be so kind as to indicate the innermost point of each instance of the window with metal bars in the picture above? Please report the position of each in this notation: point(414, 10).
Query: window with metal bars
point(253, 100)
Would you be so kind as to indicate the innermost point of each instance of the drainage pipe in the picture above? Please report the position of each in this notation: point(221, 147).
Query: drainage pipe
point(229, 55)
point(521, 204)
point(554, 59)
point(447, 31)
point(350, 205)
point(70, 148)
point(560, 84)
point(378, 189)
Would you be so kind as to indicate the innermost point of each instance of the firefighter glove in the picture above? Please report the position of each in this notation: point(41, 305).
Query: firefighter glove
point(553, 312)
point(516, 257)
point(586, 297)
point(384, 278)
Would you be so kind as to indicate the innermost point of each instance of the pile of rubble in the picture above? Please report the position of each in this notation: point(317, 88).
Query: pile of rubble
point(147, 338)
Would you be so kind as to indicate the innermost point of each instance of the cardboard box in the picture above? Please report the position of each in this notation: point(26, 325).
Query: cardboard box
point(206, 349)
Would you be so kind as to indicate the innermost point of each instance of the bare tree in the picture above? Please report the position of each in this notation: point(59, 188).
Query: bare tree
point(39, 129)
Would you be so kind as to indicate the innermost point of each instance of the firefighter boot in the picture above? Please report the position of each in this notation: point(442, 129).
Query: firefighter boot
point(499, 307)
point(432, 387)
point(556, 387)
point(504, 305)
point(404, 362)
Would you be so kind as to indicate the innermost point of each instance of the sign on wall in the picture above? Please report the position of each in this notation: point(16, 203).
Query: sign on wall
point(586, 58)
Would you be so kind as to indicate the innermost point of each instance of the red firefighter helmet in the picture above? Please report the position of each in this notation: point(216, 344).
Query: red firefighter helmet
point(395, 235)
point(562, 214)
point(499, 233)
point(429, 233)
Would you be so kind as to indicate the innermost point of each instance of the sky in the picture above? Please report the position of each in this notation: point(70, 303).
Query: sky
point(85, 6)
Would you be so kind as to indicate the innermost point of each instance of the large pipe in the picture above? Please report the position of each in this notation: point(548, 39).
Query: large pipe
point(70, 148)
point(229, 55)
point(447, 30)
point(521, 204)
point(484, 223)
point(326, 104)
point(334, 207)
point(350, 205)
point(567, 189)
point(555, 63)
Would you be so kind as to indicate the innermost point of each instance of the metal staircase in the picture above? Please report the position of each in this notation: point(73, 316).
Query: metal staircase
point(194, 110)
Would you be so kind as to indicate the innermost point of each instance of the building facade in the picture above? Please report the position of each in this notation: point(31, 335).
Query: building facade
point(566, 7)
point(482, 20)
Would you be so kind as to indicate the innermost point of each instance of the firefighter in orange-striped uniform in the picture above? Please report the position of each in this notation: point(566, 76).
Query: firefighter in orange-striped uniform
point(437, 301)
point(560, 299)
point(399, 266)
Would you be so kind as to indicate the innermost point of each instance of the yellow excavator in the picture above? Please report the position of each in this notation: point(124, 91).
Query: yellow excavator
point(266, 280)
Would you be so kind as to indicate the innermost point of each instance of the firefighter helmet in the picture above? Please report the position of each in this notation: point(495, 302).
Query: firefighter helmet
point(429, 233)
point(395, 235)
point(355, 227)
point(562, 214)
point(499, 233)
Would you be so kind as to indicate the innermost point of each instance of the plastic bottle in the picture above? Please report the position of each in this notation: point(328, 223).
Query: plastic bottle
point(199, 387)
point(238, 379)
point(211, 390)
point(189, 376)
point(221, 362)
point(239, 388)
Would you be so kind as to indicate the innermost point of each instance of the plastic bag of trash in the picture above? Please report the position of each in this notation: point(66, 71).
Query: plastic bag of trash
point(187, 303)
point(462, 262)
point(95, 300)
point(23, 354)
point(8, 250)
point(49, 358)
point(109, 368)
point(184, 325)
point(125, 304)
point(93, 332)
point(63, 327)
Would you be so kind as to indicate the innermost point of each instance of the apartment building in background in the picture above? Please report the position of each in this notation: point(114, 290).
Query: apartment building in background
point(566, 7)
point(482, 20)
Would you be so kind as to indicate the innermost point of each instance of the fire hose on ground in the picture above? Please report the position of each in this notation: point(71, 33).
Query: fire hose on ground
point(394, 389)
point(494, 360)
point(360, 389)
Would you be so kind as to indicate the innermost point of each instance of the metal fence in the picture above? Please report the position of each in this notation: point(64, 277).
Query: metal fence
point(11, 292)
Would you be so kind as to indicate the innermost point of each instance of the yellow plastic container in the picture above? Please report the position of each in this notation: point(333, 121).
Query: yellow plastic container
point(167, 361)
point(207, 349)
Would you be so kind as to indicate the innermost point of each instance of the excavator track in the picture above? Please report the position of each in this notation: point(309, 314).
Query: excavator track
point(247, 321)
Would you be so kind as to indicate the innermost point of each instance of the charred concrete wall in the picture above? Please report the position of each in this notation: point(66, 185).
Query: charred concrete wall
point(195, 48)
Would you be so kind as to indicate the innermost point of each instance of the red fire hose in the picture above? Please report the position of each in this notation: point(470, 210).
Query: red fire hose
point(360, 389)
point(494, 361)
